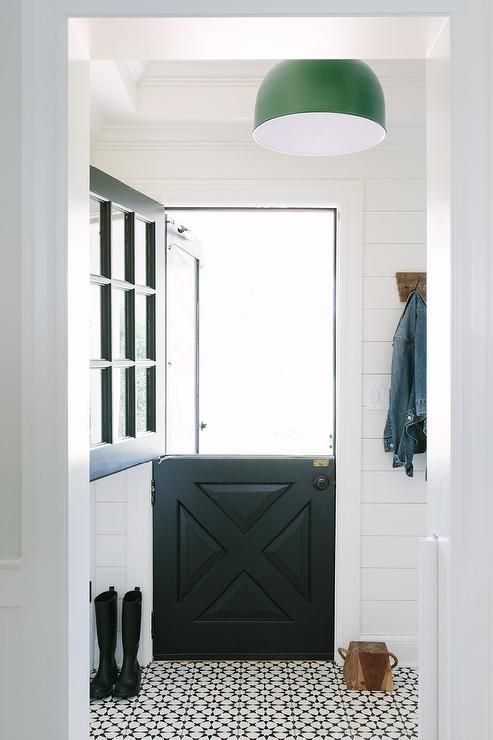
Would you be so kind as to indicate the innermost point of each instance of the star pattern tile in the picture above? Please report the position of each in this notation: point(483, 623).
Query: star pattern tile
point(256, 700)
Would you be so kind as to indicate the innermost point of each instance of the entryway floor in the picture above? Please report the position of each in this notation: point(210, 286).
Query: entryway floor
point(253, 700)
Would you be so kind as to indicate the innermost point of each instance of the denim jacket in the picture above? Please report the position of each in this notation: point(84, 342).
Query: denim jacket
point(405, 430)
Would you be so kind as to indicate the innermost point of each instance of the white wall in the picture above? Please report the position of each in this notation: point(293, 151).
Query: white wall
point(10, 389)
point(121, 539)
point(392, 505)
point(216, 164)
point(435, 655)
point(10, 295)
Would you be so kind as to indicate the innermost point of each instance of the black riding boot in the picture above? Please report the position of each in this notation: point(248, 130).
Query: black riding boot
point(105, 606)
point(128, 682)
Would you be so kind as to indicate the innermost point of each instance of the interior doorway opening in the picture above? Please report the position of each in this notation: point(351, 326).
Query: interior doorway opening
point(339, 435)
point(244, 506)
point(260, 296)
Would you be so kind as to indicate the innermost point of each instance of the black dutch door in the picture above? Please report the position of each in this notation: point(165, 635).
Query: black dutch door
point(243, 557)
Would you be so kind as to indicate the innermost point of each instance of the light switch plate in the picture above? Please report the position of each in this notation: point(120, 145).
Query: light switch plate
point(377, 396)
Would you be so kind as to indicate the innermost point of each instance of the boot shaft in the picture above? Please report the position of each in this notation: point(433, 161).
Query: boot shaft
point(105, 605)
point(131, 620)
point(128, 683)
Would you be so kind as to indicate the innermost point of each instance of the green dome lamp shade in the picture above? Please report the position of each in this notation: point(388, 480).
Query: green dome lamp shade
point(320, 107)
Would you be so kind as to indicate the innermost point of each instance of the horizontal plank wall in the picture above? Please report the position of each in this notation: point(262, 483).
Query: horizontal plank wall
point(181, 161)
point(393, 506)
point(122, 541)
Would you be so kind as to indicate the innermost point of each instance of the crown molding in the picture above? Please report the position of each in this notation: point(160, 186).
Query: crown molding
point(220, 136)
point(202, 81)
point(250, 73)
point(175, 146)
point(387, 81)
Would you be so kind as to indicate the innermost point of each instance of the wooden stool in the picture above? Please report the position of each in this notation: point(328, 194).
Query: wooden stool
point(367, 666)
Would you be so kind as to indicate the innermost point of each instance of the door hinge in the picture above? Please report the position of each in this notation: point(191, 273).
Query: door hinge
point(90, 591)
point(153, 492)
point(152, 625)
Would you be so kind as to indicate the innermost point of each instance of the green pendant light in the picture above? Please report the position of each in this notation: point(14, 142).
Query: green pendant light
point(318, 107)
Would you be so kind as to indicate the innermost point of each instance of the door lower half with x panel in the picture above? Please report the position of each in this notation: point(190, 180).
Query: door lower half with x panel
point(243, 557)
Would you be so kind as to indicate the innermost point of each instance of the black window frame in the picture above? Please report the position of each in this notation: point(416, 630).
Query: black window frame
point(115, 454)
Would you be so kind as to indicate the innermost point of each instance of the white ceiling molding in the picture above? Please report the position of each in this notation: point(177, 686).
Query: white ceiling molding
point(253, 82)
point(250, 73)
point(202, 81)
point(213, 101)
point(169, 97)
point(222, 137)
point(230, 101)
point(178, 131)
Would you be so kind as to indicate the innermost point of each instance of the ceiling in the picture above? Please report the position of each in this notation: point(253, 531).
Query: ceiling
point(193, 81)
point(404, 37)
point(213, 101)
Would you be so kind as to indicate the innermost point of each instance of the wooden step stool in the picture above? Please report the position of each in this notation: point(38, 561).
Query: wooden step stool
point(367, 666)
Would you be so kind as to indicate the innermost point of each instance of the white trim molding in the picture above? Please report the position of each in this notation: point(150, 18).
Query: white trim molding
point(349, 332)
point(347, 197)
point(54, 472)
point(203, 137)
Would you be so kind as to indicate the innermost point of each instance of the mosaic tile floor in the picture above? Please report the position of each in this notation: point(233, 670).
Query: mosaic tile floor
point(253, 700)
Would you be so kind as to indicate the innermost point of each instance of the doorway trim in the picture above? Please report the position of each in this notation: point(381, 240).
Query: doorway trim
point(346, 197)
point(54, 464)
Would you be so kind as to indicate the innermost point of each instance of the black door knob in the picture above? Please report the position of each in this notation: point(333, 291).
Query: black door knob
point(321, 482)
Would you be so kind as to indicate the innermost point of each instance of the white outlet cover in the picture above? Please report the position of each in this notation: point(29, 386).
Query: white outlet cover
point(377, 396)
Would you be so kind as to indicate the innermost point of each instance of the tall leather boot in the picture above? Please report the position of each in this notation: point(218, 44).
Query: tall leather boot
point(128, 682)
point(105, 606)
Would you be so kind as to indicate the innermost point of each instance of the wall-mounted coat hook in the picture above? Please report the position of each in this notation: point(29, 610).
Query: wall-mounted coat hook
point(409, 281)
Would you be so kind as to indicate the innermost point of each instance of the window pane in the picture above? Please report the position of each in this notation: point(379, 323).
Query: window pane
point(140, 252)
point(95, 323)
point(95, 235)
point(120, 406)
point(119, 325)
point(96, 407)
point(117, 244)
point(140, 327)
point(144, 380)
point(144, 327)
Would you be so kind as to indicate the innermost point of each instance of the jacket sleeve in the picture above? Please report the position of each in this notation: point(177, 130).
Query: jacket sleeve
point(420, 360)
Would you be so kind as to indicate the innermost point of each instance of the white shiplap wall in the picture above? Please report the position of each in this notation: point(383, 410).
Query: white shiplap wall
point(392, 505)
point(121, 556)
point(215, 163)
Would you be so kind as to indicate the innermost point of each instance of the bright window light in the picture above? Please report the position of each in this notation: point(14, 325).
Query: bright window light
point(266, 330)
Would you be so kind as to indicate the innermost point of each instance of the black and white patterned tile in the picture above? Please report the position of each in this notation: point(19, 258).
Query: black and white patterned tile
point(257, 700)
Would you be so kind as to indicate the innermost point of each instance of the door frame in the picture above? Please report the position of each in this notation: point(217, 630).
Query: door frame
point(194, 249)
point(54, 448)
point(168, 362)
point(346, 198)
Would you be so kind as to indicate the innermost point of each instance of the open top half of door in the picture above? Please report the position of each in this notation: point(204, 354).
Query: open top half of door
point(267, 356)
